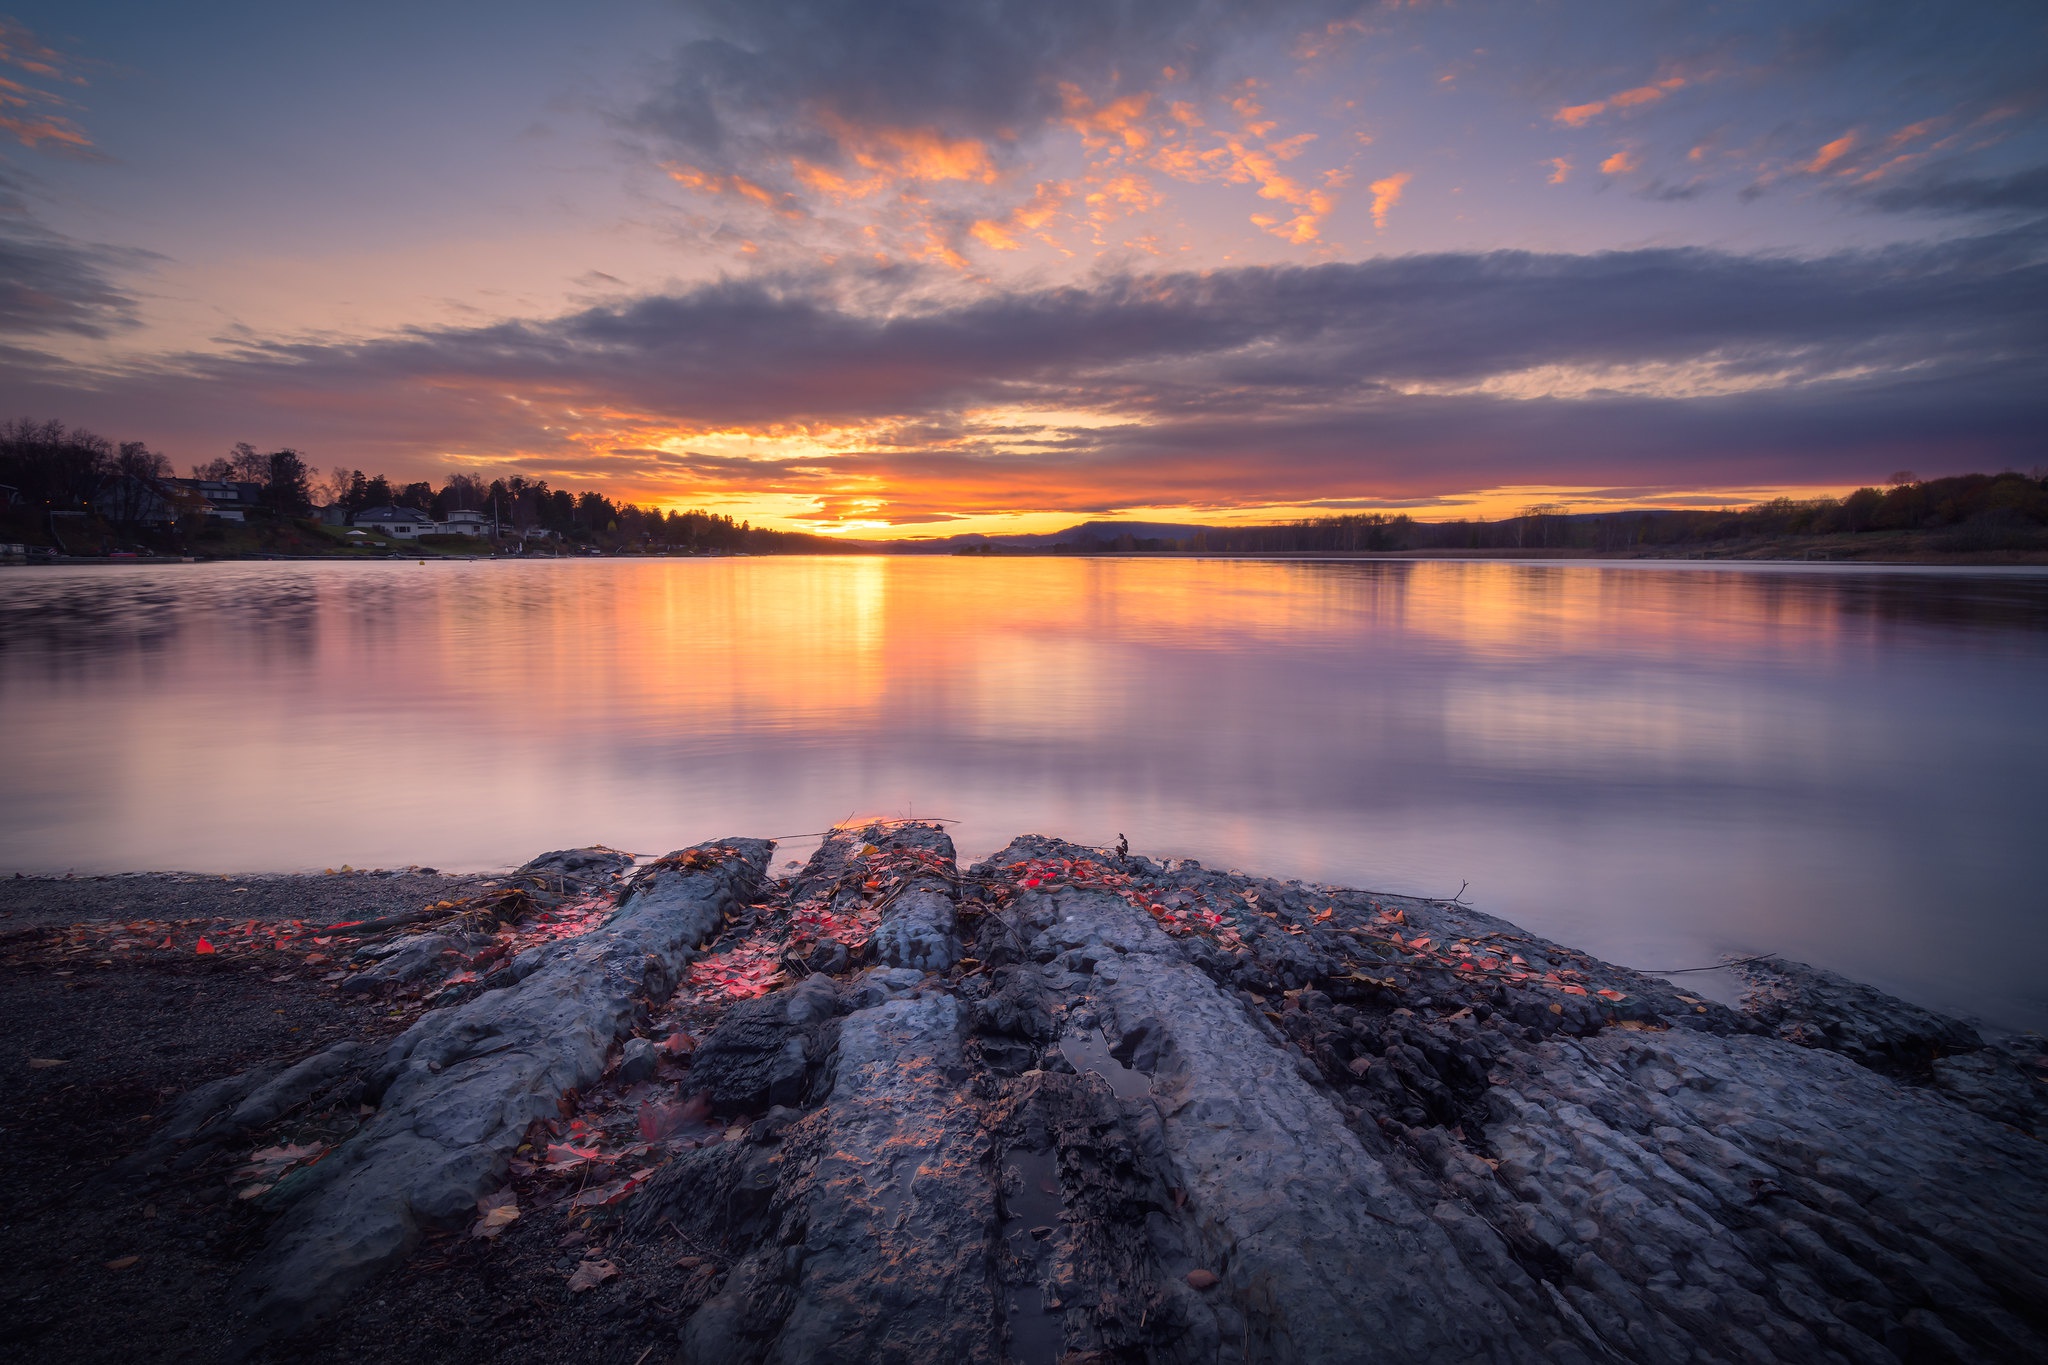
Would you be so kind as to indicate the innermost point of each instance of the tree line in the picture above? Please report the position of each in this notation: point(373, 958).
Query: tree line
point(47, 467)
point(1968, 511)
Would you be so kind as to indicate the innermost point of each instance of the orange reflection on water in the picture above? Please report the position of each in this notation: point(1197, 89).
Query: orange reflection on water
point(1658, 763)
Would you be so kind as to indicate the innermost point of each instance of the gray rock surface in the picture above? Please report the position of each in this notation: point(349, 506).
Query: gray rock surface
point(637, 1061)
point(576, 871)
point(763, 1051)
point(1077, 1108)
point(415, 957)
point(1814, 1007)
point(459, 1089)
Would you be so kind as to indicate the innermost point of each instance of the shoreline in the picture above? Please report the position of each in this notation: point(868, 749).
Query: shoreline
point(1832, 557)
point(1138, 1091)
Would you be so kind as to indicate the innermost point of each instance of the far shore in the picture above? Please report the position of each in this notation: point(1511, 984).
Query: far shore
point(1773, 554)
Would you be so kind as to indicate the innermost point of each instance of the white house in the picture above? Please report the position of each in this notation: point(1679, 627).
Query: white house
point(466, 523)
point(400, 523)
point(227, 499)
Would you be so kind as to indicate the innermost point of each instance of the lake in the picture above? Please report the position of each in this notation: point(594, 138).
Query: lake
point(1657, 763)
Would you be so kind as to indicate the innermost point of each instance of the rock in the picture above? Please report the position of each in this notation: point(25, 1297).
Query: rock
point(417, 957)
point(636, 1061)
point(1280, 1135)
point(2006, 1081)
point(830, 957)
point(763, 1051)
point(461, 1086)
point(878, 985)
point(1817, 1008)
point(577, 871)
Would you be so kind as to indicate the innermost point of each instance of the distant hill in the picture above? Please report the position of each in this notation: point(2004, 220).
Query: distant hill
point(1102, 531)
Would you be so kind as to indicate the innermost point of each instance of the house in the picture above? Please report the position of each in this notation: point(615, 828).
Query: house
point(400, 523)
point(228, 499)
point(538, 533)
point(466, 523)
point(136, 500)
point(334, 514)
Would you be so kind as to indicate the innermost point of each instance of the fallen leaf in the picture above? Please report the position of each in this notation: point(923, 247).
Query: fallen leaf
point(590, 1275)
point(604, 1196)
point(271, 1162)
point(496, 1213)
point(1358, 1066)
point(1202, 1279)
point(202, 947)
point(678, 1044)
point(562, 1157)
point(43, 1063)
point(122, 1262)
point(1610, 995)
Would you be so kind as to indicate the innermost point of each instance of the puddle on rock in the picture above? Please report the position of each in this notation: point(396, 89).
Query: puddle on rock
point(1031, 1199)
point(1088, 1050)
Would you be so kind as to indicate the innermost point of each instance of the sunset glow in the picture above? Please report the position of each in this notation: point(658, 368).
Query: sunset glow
point(909, 269)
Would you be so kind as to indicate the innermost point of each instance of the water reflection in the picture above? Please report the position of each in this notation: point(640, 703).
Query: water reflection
point(1660, 764)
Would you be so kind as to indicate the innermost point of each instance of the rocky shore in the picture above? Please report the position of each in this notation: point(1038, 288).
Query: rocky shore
point(1063, 1105)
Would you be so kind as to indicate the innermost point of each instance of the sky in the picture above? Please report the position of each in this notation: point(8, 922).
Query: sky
point(928, 266)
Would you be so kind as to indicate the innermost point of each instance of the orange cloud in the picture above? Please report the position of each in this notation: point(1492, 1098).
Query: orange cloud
point(1621, 163)
point(1560, 168)
point(1912, 132)
point(32, 126)
point(1105, 125)
point(707, 182)
point(1646, 94)
point(1830, 154)
point(921, 154)
point(1235, 161)
point(1032, 215)
point(1385, 194)
point(1578, 115)
point(1126, 194)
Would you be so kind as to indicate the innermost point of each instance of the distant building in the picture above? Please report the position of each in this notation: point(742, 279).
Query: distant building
point(400, 523)
point(228, 499)
point(134, 500)
point(334, 514)
point(467, 523)
point(539, 533)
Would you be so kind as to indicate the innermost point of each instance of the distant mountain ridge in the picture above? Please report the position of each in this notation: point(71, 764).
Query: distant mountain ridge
point(1082, 531)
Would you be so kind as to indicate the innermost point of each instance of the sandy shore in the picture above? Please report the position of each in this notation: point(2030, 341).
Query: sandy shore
point(1061, 1105)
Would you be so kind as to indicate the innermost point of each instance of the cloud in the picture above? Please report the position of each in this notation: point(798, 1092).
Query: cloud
point(1385, 194)
point(1829, 154)
point(2022, 191)
point(1394, 378)
point(1578, 115)
point(28, 113)
point(51, 284)
point(794, 75)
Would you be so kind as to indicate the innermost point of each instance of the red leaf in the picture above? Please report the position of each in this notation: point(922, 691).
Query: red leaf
point(202, 947)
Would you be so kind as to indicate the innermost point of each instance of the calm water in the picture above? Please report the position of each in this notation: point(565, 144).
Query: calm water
point(1659, 764)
